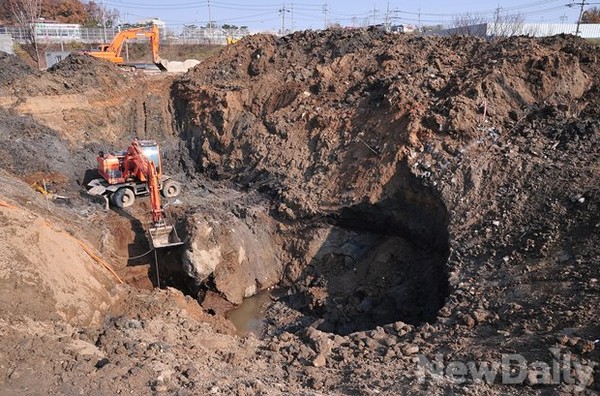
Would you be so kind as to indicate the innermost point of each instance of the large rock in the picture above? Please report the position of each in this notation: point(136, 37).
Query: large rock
point(237, 253)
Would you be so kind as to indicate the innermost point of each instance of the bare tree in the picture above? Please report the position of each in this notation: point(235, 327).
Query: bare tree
point(27, 13)
point(469, 24)
point(508, 25)
point(591, 15)
point(99, 14)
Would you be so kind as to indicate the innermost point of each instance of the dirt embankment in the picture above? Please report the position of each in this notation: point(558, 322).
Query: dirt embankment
point(414, 196)
point(87, 101)
point(483, 151)
point(313, 110)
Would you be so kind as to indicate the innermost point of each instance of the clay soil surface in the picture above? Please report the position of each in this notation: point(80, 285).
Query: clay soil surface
point(408, 198)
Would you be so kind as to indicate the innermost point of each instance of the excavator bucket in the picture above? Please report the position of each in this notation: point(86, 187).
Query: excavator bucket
point(163, 236)
point(162, 65)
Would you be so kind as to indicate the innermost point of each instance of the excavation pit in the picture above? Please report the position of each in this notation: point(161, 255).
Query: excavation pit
point(360, 267)
point(378, 264)
point(359, 281)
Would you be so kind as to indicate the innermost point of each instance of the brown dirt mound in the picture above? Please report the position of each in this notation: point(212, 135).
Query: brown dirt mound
point(76, 73)
point(81, 71)
point(12, 68)
point(323, 104)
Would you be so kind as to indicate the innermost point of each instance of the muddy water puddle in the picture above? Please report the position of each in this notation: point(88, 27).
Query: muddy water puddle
point(249, 317)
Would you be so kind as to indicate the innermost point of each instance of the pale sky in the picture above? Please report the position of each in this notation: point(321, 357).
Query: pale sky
point(266, 15)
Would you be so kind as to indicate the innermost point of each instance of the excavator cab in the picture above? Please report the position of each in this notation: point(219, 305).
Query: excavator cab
point(150, 150)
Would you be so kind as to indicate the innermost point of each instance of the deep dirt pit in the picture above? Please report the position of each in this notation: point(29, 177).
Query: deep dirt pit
point(373, 175)
point(375, 264)
point(364, 266)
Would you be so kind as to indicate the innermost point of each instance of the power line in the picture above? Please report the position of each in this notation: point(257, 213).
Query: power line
point(266, 5)
point(329, 12)
point(147, 6)
point(484, 12)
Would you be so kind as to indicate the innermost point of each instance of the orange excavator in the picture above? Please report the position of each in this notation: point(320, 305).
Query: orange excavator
point(135, 172)
point(160, 234)
point(112, 51)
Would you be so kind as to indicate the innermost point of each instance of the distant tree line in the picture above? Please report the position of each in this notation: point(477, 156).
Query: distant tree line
point(86, 13)
point(591, 15)
point(30, 13)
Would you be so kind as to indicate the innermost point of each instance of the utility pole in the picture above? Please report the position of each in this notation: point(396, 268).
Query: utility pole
point(582, 4)
point(209, 26)
point(386, 22)
point(126, 43)
point(389, 16)
point(104, 21)
point(497, 21)
point(209, 15)
point(325, 15)
point(374, 15)
point(293, 24)
point(497, 14)
point(563, 19)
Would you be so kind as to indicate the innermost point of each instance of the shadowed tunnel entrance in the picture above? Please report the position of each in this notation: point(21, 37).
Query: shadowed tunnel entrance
point(378, 263)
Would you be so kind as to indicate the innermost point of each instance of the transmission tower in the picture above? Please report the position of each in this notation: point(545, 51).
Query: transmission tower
point(325, 14)
point(282, 11)
point(373, 15)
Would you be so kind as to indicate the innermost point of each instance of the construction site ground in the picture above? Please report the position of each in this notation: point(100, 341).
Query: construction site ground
point(392, 200)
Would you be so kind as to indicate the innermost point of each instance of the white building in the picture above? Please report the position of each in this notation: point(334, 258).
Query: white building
point(162, 25)
point(6, 43)
point(57, 32)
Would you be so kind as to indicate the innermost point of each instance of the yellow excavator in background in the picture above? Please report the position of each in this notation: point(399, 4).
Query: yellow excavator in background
point(112, 51)
point(231, 40)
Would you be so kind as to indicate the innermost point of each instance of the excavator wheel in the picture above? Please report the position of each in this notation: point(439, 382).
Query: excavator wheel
point(171, 188)
point(123, 198)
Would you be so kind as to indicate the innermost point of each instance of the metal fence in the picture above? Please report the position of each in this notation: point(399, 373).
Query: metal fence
point(62, 34)
point(586, 30)
point(59, 34)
